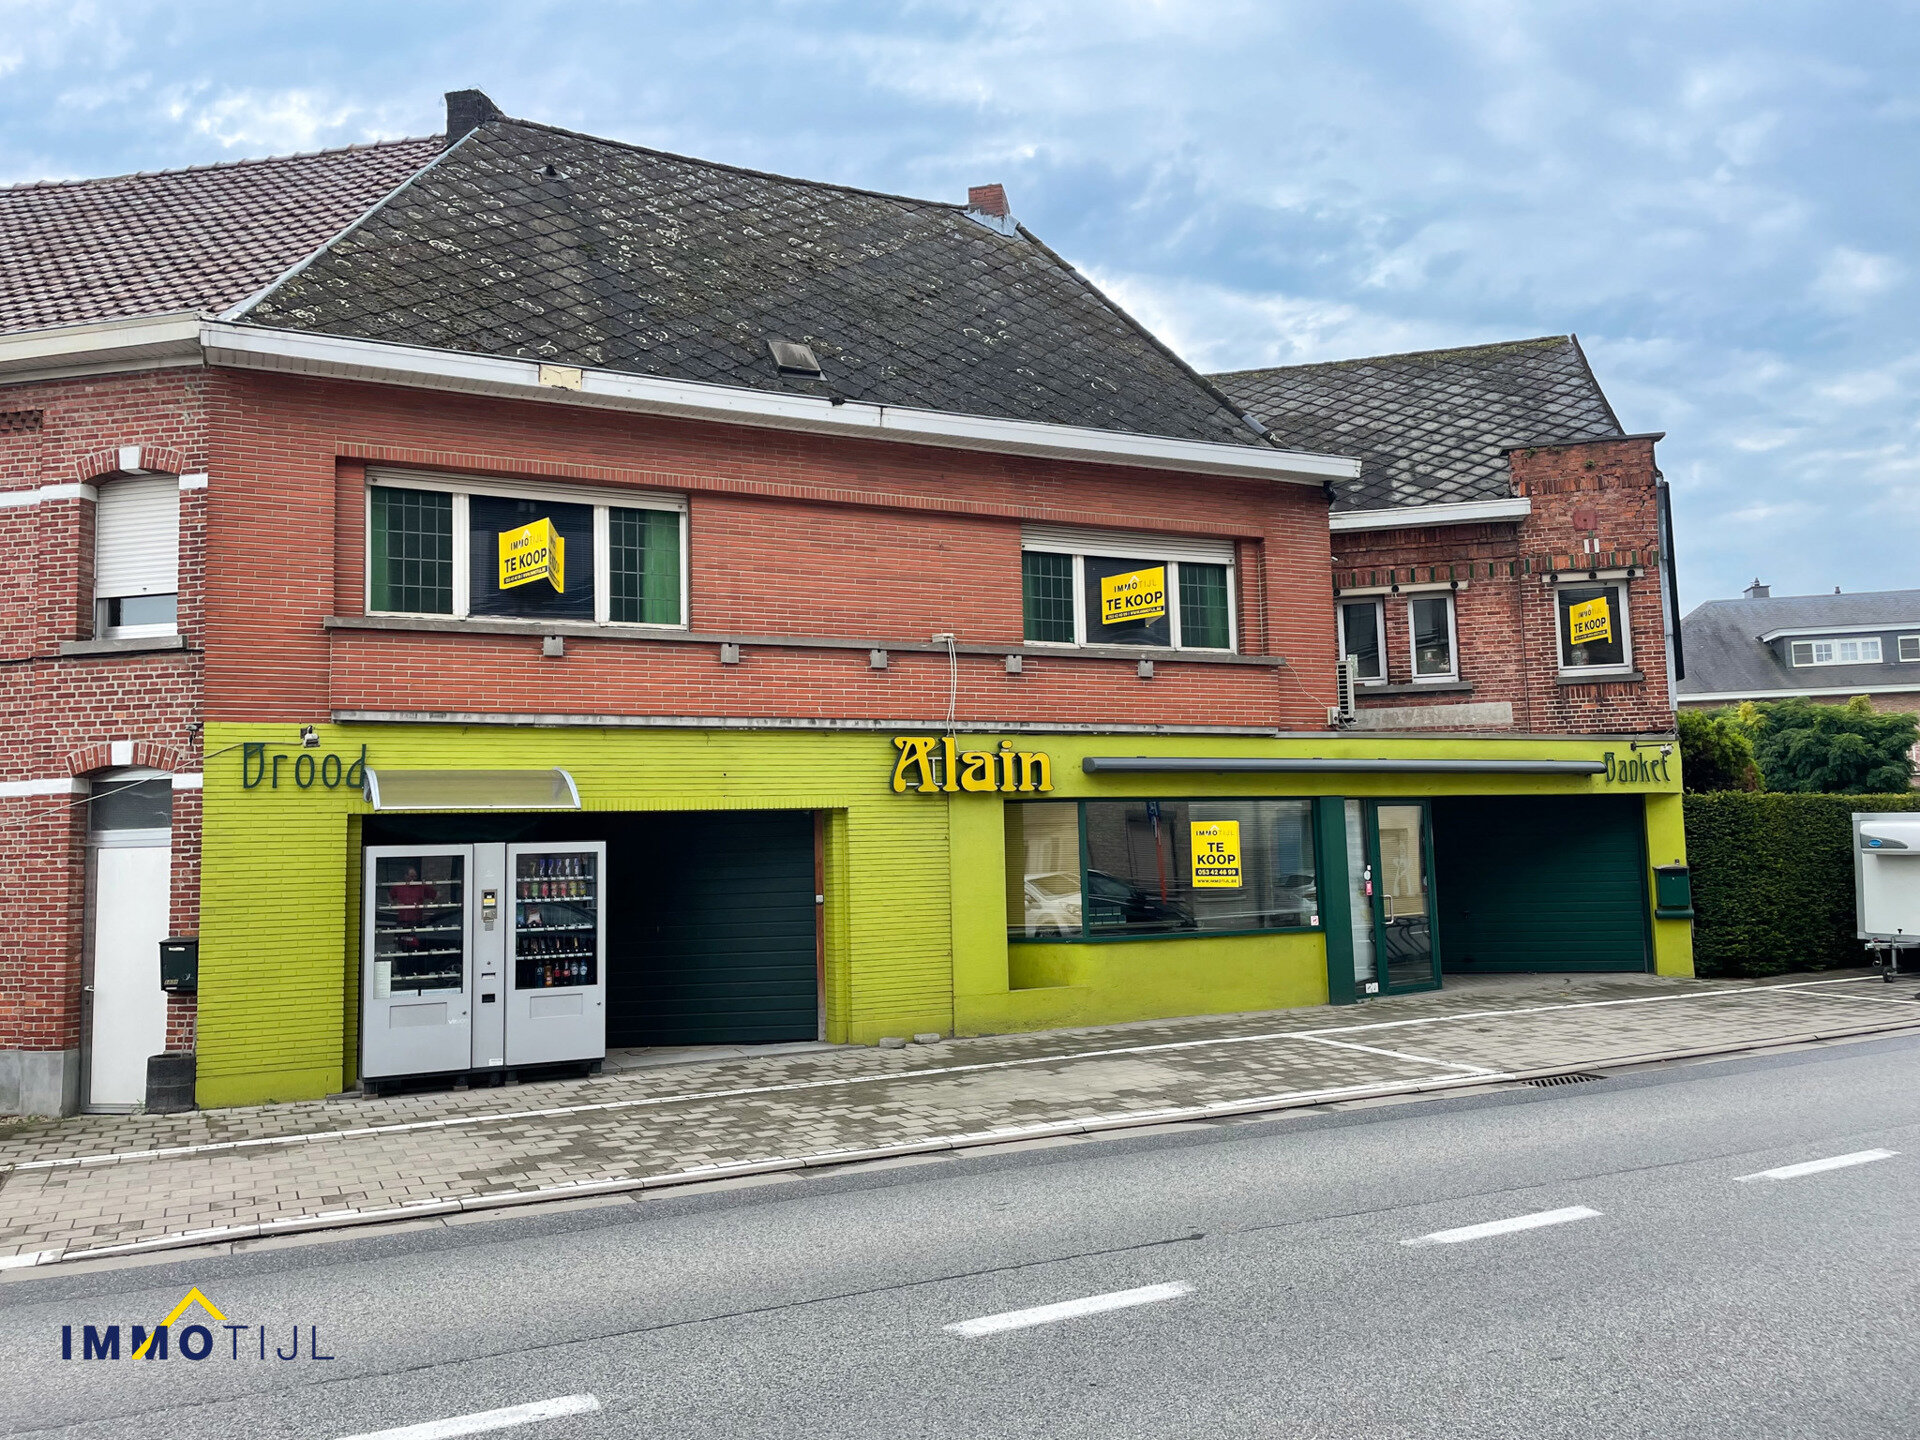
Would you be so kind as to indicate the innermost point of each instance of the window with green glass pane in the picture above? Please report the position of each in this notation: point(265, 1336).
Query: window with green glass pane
point(1046, 590)
point(1203, 607)
point(411, 568)
point(643, 553)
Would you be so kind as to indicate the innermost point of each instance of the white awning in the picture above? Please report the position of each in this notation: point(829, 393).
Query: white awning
point(471, 790)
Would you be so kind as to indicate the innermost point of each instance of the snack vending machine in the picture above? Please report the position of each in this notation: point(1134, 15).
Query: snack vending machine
point(482, 958)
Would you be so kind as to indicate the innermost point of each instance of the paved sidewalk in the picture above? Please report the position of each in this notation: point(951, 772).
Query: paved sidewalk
point(97, 1186)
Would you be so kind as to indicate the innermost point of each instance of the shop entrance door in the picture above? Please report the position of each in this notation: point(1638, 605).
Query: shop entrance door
point(1400, 869)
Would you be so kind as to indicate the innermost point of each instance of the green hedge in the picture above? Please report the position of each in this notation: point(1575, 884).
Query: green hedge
point(1773, 880)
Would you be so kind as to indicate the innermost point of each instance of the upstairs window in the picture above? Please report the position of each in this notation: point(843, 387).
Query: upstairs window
point(1864, 650)
point(1594, 637)
point(1094, 588)
point(136, 557)
point(1363, 638)
point(1430, 624)
point(1910, 647)
point(444, 545)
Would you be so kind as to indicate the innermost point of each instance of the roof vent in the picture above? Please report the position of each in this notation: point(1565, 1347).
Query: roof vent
point(467, 110)
point(793, 359)
point(1757, 591)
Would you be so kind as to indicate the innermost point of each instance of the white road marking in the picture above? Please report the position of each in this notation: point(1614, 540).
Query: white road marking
point(1814, 1167)
point(485, 1420)
point(1504, 1227)
point(453, 1122)
point(1400, 1055)
point(1068, 1309)
point(29, 1258)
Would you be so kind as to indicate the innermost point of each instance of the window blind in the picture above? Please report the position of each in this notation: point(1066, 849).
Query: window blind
point(137, 537)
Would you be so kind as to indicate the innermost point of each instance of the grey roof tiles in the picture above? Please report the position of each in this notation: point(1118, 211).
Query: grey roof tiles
point(527, 241)
point(1429, 427)
point(1726, 657)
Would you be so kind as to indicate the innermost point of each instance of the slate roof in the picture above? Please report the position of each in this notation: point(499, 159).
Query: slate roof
point(1429, 426)
point(1725, 655)
point(529, 241)
point(199, 239)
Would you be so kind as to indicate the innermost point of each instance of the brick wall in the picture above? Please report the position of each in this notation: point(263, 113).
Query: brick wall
point(65, 710)
point(1504, 609)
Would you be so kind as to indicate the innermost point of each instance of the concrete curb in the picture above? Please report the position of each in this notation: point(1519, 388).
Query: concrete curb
point(827, 1160)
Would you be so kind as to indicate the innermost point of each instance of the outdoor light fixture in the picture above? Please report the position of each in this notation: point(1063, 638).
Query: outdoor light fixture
point(309, 738)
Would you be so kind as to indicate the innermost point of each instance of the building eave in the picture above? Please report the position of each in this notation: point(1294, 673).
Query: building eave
point(1411, 517)
point(139, 343)
point(1757, 696)
point(1865, 627)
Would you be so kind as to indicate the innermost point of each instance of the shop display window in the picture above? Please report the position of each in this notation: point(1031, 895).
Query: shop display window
point(1593, 630)
point(1112, 869)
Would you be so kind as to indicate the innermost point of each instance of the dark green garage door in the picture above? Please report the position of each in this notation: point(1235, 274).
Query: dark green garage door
point(711, 930)
point(1540, 883)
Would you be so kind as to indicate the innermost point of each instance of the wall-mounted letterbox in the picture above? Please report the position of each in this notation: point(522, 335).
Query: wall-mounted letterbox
point(180, 964)
point(1672, 892)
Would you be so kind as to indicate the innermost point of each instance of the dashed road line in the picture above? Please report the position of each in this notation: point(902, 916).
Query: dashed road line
point(1815, 1167)
point(1512, 1225)
point(484, 1422)
point(1068, 1310)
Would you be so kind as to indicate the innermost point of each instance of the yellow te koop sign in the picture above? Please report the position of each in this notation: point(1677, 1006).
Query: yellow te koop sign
point(1588, 621)
point(1216, 854)
point(533, 552)
point(1133, 596)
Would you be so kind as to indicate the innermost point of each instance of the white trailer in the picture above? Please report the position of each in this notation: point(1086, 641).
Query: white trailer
point(1886, 884)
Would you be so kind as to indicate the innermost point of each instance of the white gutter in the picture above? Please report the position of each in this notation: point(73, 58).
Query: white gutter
point(253, 348)
point(1866, 629)
point(1407, 517)
point(101, 345)
point(1759, 696)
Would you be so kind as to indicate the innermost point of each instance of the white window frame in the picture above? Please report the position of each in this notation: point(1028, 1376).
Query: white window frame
point(1619, 584)
point(460, 487)
point(102, 630)
point(1158, 550)
point(1453, 641)
point(1901, 646)
point(1832, 646)
point(1379, 632)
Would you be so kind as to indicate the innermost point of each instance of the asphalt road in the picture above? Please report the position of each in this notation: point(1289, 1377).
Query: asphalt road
point(1253, 1278)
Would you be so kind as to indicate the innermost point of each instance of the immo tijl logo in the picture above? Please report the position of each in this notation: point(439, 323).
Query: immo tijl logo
point(195, 1341)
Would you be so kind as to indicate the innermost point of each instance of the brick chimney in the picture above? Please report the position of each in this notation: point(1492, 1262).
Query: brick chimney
point(989, 200)
point(466, 110)
point(1757, 591)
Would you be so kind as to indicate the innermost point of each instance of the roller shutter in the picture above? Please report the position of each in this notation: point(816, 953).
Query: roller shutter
point(136, 527)
point(1549, 884)
point(715, 918)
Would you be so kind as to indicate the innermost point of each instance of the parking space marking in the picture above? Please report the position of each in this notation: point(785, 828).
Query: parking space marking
point(1509, 1226)
point(1815, 1167)
point(1068, 1310)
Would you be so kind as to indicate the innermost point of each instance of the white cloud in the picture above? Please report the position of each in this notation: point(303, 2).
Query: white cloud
point(1849, 278)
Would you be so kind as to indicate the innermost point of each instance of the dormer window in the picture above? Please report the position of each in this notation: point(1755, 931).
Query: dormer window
point(1865, 650)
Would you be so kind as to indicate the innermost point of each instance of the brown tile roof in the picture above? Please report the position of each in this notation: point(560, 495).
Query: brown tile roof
point(199, 239)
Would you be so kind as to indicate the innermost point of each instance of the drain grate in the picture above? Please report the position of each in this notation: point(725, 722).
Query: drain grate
point(1572, 1077)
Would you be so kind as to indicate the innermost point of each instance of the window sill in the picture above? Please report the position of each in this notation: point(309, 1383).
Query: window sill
point(1599, 677)
point(123, 645)
point(457, 626)
point(1144, 935)
point(1419, 687)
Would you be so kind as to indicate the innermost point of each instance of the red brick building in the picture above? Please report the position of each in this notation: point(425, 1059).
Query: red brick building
point(826, 468)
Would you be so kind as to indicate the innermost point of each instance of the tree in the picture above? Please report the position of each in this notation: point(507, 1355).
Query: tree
point(1848, 749)
point(1715, 753)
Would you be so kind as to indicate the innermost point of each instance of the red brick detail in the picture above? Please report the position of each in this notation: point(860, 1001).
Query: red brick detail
point(146, 753)
point(155, 459)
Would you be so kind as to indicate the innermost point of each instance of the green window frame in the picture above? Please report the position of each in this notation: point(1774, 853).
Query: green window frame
point(643, 567)
point(1046, 596)
point(1205, 619)
point(410, 566)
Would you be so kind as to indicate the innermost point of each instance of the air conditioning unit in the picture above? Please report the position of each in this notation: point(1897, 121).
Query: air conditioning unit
point(1346, 683)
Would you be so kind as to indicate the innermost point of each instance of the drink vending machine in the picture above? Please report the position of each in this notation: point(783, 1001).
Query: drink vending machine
point(482, 958)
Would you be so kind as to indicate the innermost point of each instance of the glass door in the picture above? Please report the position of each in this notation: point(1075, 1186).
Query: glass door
point(415, 1016)
point(557, 950)
point(1401, 876)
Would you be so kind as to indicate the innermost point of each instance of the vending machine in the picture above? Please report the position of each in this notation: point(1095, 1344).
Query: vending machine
point(482, 958)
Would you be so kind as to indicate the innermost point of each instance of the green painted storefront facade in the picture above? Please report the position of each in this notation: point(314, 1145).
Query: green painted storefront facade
point(913, 929)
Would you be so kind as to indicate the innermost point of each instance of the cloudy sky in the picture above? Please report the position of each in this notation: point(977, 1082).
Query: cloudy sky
point(1721, 200)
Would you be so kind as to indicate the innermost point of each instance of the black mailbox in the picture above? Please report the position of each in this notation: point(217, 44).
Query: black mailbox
point(180, 964)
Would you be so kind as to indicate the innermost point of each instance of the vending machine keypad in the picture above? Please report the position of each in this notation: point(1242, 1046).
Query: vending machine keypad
point(556, 921)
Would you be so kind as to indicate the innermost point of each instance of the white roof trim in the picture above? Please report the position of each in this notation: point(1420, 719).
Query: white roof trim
point(1407, 517)
point(251, 347)
point(1758, 695)
point(102, 345)
point(1869, 630)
